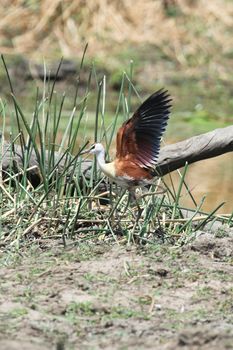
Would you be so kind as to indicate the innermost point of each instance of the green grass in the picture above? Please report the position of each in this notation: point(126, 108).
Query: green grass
point(66, 204)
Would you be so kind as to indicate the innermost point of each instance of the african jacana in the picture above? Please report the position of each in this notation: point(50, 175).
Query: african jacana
point(138, 144)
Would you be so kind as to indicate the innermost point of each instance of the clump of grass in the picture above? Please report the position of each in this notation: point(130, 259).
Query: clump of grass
point(71, 200)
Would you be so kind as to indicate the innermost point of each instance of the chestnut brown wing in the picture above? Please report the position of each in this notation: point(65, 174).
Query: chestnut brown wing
point(139, 137)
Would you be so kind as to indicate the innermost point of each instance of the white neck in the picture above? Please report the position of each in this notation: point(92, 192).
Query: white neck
point(100, 158)
point(107, 168)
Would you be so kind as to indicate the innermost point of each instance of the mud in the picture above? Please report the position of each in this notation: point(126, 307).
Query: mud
point(118, 297)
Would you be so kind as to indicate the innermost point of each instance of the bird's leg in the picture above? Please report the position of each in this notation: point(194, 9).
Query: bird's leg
point(132, 196)
point(128, 202)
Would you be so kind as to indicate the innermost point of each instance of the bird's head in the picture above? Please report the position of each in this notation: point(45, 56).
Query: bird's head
point(96, 148)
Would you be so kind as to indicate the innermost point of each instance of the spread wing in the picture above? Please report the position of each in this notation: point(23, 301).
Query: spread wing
point(139, 137)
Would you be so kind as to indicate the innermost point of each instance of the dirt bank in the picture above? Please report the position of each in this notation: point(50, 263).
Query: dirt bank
point(113, 297)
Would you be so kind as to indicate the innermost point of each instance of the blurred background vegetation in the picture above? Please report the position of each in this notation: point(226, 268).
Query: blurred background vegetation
point(183, 45)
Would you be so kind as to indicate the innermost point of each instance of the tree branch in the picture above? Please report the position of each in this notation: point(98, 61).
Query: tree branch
point(194, 149)
point(172, 157)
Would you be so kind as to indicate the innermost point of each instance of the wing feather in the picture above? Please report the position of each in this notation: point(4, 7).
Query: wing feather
point(139, 138)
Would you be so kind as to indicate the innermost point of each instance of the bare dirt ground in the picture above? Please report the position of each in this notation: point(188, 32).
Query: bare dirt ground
point(115, 297)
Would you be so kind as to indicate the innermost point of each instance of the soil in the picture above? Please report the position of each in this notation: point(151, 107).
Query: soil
point(116, 297)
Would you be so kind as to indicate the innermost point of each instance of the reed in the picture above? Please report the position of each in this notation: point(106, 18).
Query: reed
point(67, 204)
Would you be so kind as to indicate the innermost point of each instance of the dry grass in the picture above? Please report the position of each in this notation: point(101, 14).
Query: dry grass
point(190, 26)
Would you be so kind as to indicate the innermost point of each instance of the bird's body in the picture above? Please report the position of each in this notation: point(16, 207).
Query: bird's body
point(138, 144)
point(127, 175)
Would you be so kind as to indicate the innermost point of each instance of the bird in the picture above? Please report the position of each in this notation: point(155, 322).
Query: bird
point(137, 144)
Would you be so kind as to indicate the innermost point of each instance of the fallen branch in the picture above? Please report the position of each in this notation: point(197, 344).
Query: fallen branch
point(194, 149)
point(172, 157)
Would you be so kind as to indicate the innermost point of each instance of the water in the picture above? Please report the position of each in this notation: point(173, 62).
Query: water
point(213, 178)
